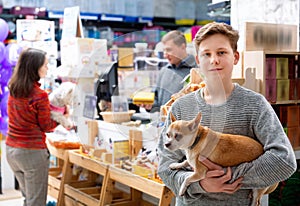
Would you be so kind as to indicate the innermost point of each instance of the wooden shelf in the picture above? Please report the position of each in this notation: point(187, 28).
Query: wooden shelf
point(54, 181)
point(140, 184)
point(257, 60)
point(88, 163)
point(98, 188)
point(279, 82)
point(80, 191)
point(59, 153)
point(89, 192)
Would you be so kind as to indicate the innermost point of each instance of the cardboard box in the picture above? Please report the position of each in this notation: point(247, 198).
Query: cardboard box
point(125, 58)
point(83, 55)
point(283, 115)
point(283, 89)
point(282, 68)
point(293, 116)
point(292, 67)
point(293, 134)
point(271, 90)
point(270, 68)
point(143, 171)
point(35, 30)
point(298, 87)
point(120, 151)
point(50, 47)
point(293, 90)
point(272, 37)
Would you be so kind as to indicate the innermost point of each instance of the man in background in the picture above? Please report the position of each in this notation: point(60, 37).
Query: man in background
point(171, 77)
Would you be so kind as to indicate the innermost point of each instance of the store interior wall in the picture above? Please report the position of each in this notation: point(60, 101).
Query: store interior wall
point(268, 11)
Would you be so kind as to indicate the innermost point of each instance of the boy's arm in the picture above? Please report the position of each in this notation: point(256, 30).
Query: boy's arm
point(278, 161)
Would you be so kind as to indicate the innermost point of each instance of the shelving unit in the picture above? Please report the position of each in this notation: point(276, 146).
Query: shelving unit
point(54, 180)
point(258, 60)
point(90, 193)
point(87, 191)
point(139, 185)
point(279, 77)
point(121, 26)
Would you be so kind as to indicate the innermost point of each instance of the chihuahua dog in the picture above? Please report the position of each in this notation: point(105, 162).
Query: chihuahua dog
point(222, 149)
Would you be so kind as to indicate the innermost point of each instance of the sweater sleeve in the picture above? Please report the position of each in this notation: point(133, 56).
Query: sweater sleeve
point(278, 161)
point(45, 122)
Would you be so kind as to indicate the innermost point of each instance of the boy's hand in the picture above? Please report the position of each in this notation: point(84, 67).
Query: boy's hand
point(216, 179)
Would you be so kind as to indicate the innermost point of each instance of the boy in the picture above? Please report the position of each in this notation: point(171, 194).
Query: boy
point(229, 108)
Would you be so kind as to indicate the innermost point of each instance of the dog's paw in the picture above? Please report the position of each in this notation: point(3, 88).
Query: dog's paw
point(68, 126)
point(174, 166)
point(67, 123)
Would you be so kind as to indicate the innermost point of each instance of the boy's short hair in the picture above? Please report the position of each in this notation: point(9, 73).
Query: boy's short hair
point(177, 37)
point(217, 28)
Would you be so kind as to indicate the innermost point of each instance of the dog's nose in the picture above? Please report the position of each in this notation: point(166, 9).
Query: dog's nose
point(167, 144)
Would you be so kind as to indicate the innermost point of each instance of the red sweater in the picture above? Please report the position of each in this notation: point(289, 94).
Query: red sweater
point(29, 120)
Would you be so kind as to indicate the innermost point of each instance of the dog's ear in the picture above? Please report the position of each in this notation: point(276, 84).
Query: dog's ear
point(69, 93)
point(195, 122)
point(173, 118)
point(198, 118)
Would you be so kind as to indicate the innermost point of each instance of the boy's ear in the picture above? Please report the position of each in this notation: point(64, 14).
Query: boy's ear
point(236, 57)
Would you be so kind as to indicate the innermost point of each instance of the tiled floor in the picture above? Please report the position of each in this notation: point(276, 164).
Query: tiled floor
point(12, 202)
point(14, 198)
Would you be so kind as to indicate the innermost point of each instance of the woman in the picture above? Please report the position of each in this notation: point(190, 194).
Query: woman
point(29, 120)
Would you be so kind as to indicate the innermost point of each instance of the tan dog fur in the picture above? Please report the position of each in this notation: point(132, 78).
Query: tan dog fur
point(222, 149)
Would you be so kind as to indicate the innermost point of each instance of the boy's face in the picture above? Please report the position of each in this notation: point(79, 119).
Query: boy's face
point(216, 57)
point(173, 53)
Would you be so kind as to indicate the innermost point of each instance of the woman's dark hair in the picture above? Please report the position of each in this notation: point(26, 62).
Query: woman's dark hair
point(26, 72)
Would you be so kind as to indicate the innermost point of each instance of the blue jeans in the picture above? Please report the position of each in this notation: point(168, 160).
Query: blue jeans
point(31, 167)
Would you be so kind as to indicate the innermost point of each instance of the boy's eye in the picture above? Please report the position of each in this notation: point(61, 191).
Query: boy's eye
point(206, 54)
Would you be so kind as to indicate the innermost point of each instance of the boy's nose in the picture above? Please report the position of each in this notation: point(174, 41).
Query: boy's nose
point(214, 59)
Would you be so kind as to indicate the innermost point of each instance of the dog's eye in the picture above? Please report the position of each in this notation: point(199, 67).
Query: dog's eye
point(177, 136)
point(168, 135)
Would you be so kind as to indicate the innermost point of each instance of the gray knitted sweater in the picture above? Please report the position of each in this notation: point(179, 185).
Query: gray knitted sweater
point(247, 113)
